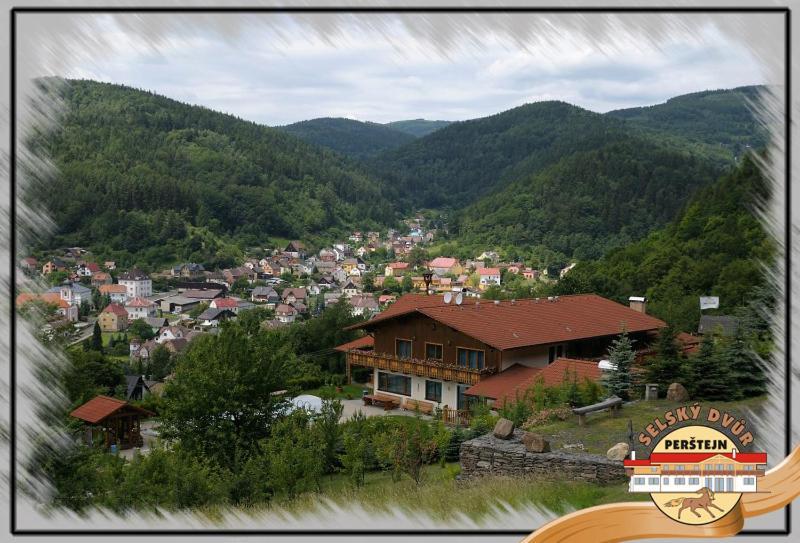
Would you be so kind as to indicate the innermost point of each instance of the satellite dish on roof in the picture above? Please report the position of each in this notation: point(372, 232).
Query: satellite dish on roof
point(448, 296)
point(459, 298)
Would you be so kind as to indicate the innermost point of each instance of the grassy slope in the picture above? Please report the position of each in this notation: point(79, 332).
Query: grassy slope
point(603, 431)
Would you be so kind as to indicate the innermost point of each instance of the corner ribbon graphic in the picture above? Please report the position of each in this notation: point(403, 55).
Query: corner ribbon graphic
point(639, 520)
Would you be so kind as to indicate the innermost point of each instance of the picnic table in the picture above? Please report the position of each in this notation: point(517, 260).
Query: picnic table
point(387, 402)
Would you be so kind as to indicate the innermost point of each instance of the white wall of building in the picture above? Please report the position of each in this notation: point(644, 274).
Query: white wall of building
point(449, 389)
point(143, 288)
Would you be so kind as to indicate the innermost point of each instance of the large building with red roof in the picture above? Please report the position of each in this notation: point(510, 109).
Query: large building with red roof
point(430, 350)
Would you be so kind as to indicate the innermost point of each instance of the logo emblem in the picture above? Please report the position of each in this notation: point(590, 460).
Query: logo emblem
point(695, 474)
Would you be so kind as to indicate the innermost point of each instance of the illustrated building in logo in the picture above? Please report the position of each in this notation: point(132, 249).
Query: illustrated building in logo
point(690, 471)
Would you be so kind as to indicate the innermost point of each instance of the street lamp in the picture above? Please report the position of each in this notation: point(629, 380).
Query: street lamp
point(427, 277)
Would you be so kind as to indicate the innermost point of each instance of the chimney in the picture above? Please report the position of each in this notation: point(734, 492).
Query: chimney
point(638, 303)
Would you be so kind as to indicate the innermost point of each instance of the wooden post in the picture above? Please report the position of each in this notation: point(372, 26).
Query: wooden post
point(581, 420)
point(349, 379)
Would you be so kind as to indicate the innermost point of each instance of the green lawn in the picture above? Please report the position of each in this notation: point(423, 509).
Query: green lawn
point(602, 431)
point(478, 499)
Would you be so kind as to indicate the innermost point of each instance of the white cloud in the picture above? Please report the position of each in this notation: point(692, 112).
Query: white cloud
point(282, 76)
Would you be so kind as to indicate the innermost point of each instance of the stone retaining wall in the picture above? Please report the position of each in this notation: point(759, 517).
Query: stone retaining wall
point(488, 455)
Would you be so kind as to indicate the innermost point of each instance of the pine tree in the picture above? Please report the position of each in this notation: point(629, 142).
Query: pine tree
point(667, 366)
point(711, 374)
point(618, 381)
point(97, 338)
point(746, 374)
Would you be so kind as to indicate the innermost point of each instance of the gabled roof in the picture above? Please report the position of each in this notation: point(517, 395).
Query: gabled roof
point(397, 265)
point(442, 262)
point(115, 289)
point(520, 323)
point(224, 303)
point(101, 407)
point(694, 458)
point(138, 301)
point(365, 342)
point(505, 386)
point(117, 309)
point(489, 271)
point(134, 275)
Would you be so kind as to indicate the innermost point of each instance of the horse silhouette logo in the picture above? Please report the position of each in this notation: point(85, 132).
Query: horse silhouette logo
point(696, 468)
point(705, 501)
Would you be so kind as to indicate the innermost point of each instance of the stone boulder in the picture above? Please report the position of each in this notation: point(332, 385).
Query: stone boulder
point(618, 452)
point(677, 393)
point(535, 443)
point(504, 429)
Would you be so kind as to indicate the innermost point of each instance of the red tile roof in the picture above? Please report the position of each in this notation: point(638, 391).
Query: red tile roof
point(224, 303)
point(442, 262)
point(366, 342)
point(139, 302)
point(116, 309)
point(489, 271)
point(100, 407)
point(694, 458)
point(116, 289)
point(517, 379)
point(398, 265)
point(512, 324)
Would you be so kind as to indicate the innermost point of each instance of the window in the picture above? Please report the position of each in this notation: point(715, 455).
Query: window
point(396, 384)
point(433, 391)
point(653, 480)
point(402, 348)
point(654, 470)
point(433, 351)
point(638, 480)
point(749, 481)
point(679, 468)
point(748, 468)
point(680, 481)
point(470, 358)
point(665, 480)
point(719, 467)
point(556, 351)
point(694, 480)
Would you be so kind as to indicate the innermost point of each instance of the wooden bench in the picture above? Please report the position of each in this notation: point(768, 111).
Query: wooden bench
point(613, 404)
point(414, 405)
point(378, 400)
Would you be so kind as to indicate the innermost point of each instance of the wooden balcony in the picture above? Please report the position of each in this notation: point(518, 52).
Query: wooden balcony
point(432, 369)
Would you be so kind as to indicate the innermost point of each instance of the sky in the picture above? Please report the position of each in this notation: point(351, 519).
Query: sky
point(389, 74)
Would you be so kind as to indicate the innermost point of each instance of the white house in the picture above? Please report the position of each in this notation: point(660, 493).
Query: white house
point(137, 283)
point(489, 277)
point(140, 308)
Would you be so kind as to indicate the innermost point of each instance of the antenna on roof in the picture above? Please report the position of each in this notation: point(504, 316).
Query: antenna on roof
point(459, 298)
point(448, 296)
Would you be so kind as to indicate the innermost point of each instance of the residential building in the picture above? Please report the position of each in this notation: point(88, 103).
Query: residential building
point(101, 278)
point(114, 318)
point(29, 264)
point(265, 295)
point(137, 283)
point(395, 269)
point(117, 293)
point(488, 277)
point(211, 317)
point(295, 249)
point(285, 313)
point(225, 303)
point(292, 295)
point(364, 304)
point(443, 265)
point(140, 308)
point(189, 270)
point(350, 289)
point(430, 350)
point(53, 265)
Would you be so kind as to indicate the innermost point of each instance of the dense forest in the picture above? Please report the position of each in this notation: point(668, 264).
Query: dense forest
point(719, 119)
point(417, 127)
point(149, 180)
point(716, 245)
point(352, 138)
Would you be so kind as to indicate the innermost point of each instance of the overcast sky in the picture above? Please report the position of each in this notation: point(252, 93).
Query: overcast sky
point(385, 75)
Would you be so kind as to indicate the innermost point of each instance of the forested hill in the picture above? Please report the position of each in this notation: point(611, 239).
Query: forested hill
point(465, 160)
point(417, 127)
point(720, 118)
point(352, 138)
point(715, 247)
point(148, 179)
point(589, 201)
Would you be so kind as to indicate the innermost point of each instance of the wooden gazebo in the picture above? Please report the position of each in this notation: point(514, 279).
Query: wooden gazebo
point(116, 421)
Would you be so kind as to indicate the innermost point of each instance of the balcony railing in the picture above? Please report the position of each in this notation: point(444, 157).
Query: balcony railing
point(433, 369)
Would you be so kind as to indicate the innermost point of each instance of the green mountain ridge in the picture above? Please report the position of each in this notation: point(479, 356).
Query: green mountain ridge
point(137, 170)
point(417, 127)
point(356, 139)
